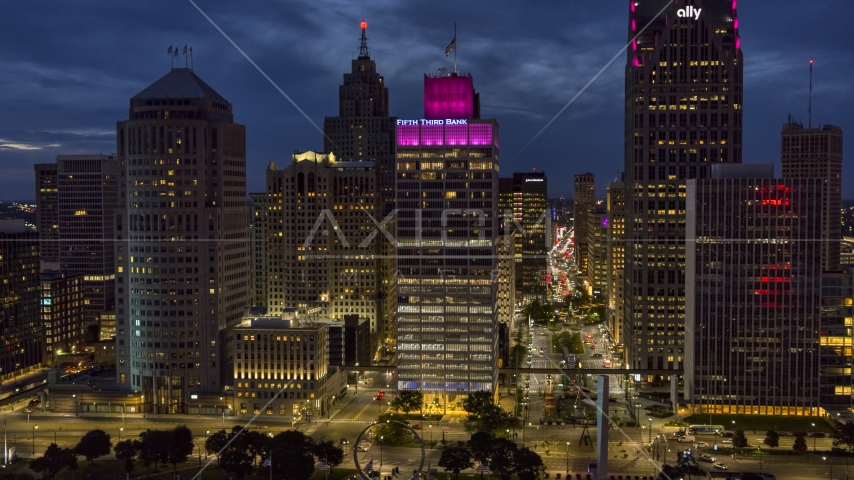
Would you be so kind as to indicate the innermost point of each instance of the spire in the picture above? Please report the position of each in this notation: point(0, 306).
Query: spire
point(363, 47)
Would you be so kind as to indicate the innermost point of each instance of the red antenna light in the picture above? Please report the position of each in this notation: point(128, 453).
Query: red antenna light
point(364, 25)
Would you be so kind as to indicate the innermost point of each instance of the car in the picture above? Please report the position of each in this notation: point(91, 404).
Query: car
point(685, 439)
point(719, 466)
point(708, 458)
point(417, 426)
point(597, 355)
point(817, 435)
point(727, 434)
point(344, 441)
point(679, 434)
point(701, 445)
point(727, 441)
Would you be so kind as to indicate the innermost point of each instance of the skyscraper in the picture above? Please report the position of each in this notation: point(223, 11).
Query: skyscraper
point(753, 293)
point(616, 204)
point(62, 314)
point(597, 250)
point(23, 333)
point(523, 205)
point(447, 194)
point(583, 203)
point(320, 258)
point(47, 211)
point(817, 153)
point(182, 244)
point(683, 114)
point(364, 131)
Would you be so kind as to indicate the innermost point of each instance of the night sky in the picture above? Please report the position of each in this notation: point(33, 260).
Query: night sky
point(68, 70)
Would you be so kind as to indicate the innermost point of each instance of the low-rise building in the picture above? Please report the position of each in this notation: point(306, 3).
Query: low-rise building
point(62, 315)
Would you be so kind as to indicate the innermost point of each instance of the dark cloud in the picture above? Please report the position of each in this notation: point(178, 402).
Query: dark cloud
point(68, 69)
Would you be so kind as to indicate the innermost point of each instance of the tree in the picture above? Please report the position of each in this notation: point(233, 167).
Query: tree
point(127, 450)
point(739, 440)
point(292, 457)
point(154, 447)
point(528, 465)
point(216, 442)
point(772, 438)
point(96, 443)
point(503, 461)
point(327, 452)
point(407, 401)
point(236, 460)
point(687, 465)
point(392, 433)
point(480, 446)
point(255, 443)
point(54, 460)
point(180, 445)
point(478, 402)
point(668, 472)
point(844, 436)
point(800, 445)
point(456, 459)
point(493, 420)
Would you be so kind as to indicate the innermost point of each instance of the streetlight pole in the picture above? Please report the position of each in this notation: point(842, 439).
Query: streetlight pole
point(812, 432)
point(567, 458)
point(121, 429)
point(381, 452)
point(650, 429)
point(431, 436)
point(34, 440)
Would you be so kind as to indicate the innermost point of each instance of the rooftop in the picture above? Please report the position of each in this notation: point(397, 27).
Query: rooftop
point(179, 83)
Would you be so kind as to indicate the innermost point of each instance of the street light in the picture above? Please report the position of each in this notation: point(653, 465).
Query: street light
point(381, 452)
point(121, 429)
point(567, 458)
point(812, 432)
point(831, 465)
point(34, 440)
point(650, 429)
point(432, 445)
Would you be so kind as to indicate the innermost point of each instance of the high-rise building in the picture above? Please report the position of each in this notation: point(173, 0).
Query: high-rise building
point(62, 315)
point(364, 131)
point(523, 206)
point(583, 204)
point(683, 114)
point(753, 293)
point(23, 332)
point(258, 238)
point(322, 248)
point(837, 312)
point(80, 200)
point(506, 279)
point(616, 253)
point(597, 250)
point(182, 243)
point(447, 194)
point(817, 153)
point(47, 211)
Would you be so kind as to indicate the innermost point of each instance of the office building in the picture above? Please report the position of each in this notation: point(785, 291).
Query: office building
point(447, 194)
point(182, 242)
point(81, 207)
point(364, 131)
point(684, 77)
point(597, 250)
point(62, 315)
point(583, 204)
point(561, 211)
point(287, 361)
point(258, 234)
point(837, 319)
point(505, 247)
point(817, 153)
point(523, 205)
point(47, 211)
point(20, 288)
point(753, 293)
point(616, 253)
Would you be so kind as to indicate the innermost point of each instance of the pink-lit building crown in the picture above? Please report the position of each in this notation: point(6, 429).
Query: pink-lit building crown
point(450, 97)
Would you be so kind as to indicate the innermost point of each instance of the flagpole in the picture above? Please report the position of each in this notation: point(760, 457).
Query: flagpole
point(455, 47)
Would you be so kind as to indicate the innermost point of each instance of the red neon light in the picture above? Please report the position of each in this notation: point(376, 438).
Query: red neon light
point(776, 280)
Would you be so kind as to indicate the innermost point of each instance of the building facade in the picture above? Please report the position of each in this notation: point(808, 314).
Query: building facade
point(258, 237)
point(506, 250)
point(616, 253)
point(837, 320)
point(62, 315)
point(447, 194)
point(20, 288)
point(753, 294)
point(182, 243)
point(523, 205)
point(583, 204)
point(684, 77)
point(364, 131)
point(47, 211)
point(597, 251)
point(287, 361)
point(817, 153)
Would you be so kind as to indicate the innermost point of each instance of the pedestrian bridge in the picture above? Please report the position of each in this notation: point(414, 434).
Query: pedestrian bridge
point(545, 371)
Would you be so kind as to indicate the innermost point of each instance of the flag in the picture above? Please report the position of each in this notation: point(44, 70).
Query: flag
point(451, 46)
point(191, 51)
point(483, 467)
point(185, 49)
point(321, 465)
point(170, 50)
point(369, 466)
point(268, 462)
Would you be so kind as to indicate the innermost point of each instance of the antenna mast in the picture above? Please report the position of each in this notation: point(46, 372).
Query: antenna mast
point(810, 108)
point(363, 47)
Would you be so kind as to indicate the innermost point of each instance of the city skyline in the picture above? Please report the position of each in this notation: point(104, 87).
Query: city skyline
point(72, 98)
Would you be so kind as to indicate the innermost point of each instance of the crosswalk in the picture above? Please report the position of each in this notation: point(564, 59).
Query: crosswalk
point(363, 422)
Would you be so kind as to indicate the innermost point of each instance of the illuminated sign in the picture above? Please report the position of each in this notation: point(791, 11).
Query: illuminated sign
point(533, 180)
point(689, 12)
point(449, 121)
